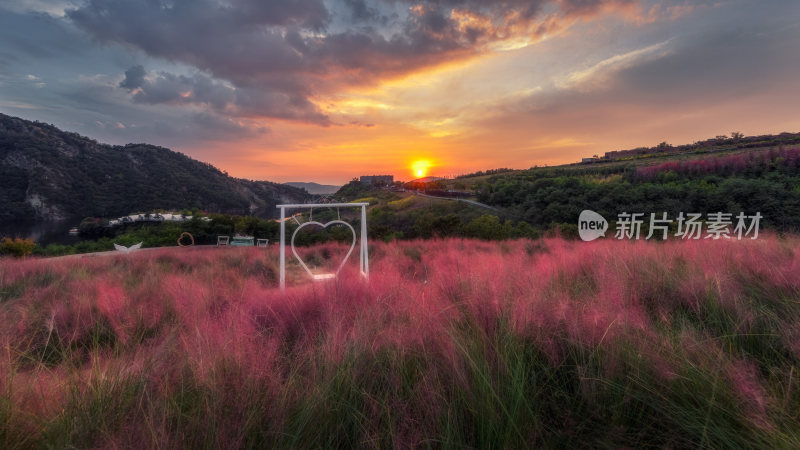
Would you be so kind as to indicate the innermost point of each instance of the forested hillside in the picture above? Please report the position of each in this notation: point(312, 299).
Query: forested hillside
point(749, 181)
point(49, 174)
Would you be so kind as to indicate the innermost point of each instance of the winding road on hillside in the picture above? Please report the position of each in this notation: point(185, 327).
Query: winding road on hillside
point(470, 202)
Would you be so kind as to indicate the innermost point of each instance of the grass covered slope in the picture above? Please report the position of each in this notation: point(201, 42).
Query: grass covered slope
point(747, 181)
point(452, 343)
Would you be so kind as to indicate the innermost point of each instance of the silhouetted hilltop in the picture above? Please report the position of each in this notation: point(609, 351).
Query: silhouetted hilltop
point(49, 174)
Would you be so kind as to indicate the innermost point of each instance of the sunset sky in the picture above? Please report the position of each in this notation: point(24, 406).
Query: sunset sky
point(327, 90)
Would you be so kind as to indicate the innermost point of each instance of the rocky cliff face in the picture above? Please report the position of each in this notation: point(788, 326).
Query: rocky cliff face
point(48, 174)
point(45, 211)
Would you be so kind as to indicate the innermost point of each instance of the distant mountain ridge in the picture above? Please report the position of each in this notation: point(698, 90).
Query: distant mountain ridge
point(49, 174)
point(427, 179)
point(314, 188)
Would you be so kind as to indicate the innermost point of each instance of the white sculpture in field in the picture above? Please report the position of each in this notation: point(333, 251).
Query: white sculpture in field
point(124, 249)
point(363, 250)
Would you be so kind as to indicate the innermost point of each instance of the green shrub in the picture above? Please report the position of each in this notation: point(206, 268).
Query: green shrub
point(486, 227)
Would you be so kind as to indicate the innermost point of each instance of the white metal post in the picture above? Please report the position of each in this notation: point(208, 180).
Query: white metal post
point(364, 249)
point(283, 249)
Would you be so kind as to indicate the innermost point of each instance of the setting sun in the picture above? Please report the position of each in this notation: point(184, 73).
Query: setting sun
point(420, 168)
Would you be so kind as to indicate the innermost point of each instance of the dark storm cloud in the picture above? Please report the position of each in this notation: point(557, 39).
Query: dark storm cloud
point(102, 114)
point(134, 78)
point(53, 72)
point(361, 11)
point(38, 36)
point(197, 32)
point(222, 98)
point(165, 87)
point(286, 52)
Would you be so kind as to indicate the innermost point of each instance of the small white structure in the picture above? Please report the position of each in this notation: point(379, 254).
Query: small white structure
point(153, 217)
point(262, 242)
point(223, 240)
point(124, 249)
point(363, 252)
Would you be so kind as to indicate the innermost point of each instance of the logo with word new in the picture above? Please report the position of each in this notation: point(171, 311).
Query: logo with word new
point(591, 225)
point(718, 225)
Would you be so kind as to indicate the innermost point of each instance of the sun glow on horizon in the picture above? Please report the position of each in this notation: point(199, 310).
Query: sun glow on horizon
point(420, 168)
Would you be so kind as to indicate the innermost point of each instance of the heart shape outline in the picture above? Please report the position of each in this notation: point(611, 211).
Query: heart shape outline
point(323, 226)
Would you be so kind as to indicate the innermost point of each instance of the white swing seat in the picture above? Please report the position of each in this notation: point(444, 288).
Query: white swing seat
point(323, 276)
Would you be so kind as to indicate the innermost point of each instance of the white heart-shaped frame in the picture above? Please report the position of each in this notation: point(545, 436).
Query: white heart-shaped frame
point(324, 225)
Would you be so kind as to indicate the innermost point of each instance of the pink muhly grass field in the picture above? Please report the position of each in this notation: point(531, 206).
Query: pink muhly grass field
point(785, 158)
point(451, 343)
